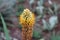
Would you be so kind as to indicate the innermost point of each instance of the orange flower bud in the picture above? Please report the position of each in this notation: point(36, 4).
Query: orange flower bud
point(27, 20)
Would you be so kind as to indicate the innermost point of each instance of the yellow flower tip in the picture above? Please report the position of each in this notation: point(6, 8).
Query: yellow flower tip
point(26, 9)
point(27, 17)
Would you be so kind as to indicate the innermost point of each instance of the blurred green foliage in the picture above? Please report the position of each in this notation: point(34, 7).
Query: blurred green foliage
point(20, 10)
point(55, 37)
point(0, 2)
point(5, 28)
point(20, 7)
point(21, 1)
point(36, 34)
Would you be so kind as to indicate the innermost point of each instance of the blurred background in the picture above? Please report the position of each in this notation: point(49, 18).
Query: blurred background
point(47, 12)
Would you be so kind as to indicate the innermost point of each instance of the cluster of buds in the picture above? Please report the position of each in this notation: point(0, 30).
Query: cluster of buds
point(27, 20)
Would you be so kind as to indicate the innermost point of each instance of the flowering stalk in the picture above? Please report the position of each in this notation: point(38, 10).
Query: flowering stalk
point(27, 20)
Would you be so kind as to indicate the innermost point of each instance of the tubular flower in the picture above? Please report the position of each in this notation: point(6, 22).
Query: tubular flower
point(27, 20)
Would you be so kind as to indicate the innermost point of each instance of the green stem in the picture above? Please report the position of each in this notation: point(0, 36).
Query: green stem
point(5, 28)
